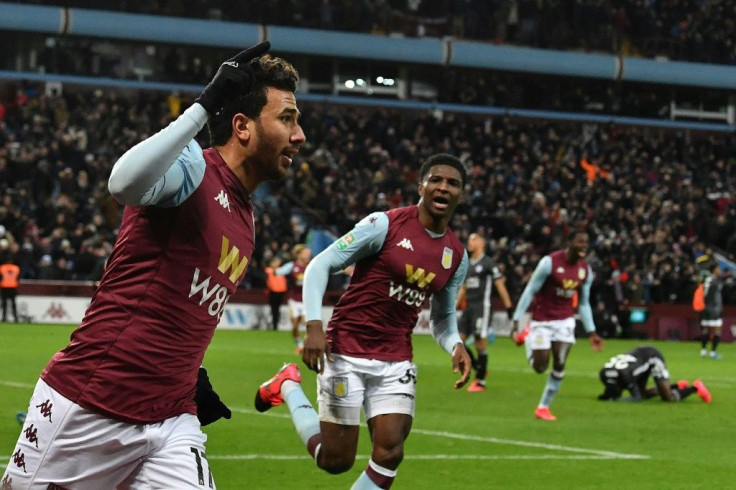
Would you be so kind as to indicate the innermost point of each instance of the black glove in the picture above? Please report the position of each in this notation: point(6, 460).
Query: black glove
point(233, 78)
point(209, 406)
point(510, 313)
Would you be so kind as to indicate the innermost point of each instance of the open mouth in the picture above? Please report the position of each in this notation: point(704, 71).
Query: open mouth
point(441, 203)
point(288, 157)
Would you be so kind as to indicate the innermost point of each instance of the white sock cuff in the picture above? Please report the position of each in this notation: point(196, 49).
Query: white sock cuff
point(381, 470)
point(288, 386)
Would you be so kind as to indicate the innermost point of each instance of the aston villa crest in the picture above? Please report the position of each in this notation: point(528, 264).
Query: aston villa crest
point(447, 258)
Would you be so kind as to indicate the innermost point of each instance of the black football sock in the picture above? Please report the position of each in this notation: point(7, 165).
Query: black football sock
point(682, 393)
point(473, 360)
point(704, 340)
point(482, 368)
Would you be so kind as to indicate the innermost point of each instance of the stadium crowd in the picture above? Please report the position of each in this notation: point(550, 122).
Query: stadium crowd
point(652, 200)
point(686, 30)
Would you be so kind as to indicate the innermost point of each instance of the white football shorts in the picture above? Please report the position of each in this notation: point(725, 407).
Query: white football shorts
point(296, 309)
point(543, 333)
point(715, 323)
point(62, 445)
point(379, 387)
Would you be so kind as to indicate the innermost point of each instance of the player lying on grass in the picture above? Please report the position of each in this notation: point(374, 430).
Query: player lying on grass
point(631, 371)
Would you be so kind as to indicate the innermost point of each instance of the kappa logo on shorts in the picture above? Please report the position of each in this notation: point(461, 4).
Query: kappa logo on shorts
point(340, 386)
point(45, 409)
point(7, 483)
point(31, 434)
point(19, 459)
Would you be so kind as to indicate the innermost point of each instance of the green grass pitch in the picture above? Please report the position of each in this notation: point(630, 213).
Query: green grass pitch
point(459, 439)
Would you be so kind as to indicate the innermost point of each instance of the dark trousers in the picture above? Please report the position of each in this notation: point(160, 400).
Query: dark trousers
point(275, 300)
point(8, 296)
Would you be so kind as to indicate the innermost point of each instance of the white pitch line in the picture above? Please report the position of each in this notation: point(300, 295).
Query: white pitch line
point(555, 447)
point(14, 384)
point(424, 457)
point(590, 453)
point(416, 457)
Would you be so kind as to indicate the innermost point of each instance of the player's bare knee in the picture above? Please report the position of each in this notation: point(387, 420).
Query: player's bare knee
point(390, 457)
point(336, 464)
point(539, 364)
point(539, 367)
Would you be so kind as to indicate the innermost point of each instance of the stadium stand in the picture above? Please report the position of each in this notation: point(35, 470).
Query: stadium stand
point(686, 30)
point(651, 207)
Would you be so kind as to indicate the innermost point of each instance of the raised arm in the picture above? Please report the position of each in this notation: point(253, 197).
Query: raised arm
point(163, 169)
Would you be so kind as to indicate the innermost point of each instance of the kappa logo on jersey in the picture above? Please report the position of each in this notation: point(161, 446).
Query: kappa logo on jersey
point(223, 200)
point(560, 270)
point(405, 243)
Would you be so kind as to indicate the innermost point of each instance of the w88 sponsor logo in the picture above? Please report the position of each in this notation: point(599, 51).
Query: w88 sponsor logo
point(216, 296)
point(405, 294)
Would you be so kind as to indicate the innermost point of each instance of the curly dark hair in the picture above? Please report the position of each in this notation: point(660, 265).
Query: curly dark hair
point(269, 71)
point(443, 159)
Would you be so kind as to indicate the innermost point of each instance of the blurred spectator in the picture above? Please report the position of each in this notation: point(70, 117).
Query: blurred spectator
point(667, 197)
point(606, 323)
point(9, 276)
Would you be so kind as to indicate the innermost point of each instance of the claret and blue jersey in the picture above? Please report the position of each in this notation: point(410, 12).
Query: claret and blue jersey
point(399, 265)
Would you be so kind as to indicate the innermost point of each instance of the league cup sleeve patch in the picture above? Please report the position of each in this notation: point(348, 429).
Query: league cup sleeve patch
point(345, 241)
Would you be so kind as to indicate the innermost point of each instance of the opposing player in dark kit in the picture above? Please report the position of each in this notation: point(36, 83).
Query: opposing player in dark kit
point(631, 371)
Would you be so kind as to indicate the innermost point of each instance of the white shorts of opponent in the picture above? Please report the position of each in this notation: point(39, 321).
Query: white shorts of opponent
point(379, 387)
point(64, 446)
point(543, 333)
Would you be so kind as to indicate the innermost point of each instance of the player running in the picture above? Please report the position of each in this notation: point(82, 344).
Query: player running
point(294, 270)
point(557, 279)
point(483, 274)
point(402, 258)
